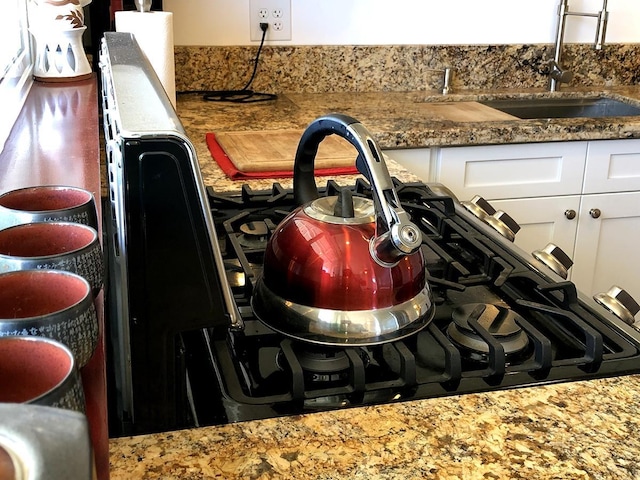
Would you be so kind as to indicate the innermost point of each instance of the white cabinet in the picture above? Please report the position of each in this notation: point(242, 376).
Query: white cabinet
point(511, 171)
point(612, 166)
point(607, 248)
point(543, 220)
point(550, 190)
point(415, 160)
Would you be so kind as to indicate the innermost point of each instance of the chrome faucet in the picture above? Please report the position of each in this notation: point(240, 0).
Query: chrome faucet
point(447, 77)
point(557, 74)
point(446, 80)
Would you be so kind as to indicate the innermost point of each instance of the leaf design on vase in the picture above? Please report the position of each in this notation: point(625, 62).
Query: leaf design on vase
point(75, 18)
point(62, 3)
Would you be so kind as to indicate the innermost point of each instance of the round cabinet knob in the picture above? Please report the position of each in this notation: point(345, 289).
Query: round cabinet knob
point(554, 258)
point(620, 303)
point(595, 213)
point(570, 214)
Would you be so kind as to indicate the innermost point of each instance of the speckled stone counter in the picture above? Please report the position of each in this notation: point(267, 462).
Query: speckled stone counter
point(579, 430)
point(397, 120)
point(399, 68)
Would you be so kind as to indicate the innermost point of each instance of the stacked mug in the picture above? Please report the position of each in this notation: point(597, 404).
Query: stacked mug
point(51, 270)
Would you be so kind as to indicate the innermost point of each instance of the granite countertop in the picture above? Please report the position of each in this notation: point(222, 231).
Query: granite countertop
point(397, 120)
point(575, 430)
point(571, 430)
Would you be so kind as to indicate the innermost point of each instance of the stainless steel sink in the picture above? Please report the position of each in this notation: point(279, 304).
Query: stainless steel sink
point(530, 108)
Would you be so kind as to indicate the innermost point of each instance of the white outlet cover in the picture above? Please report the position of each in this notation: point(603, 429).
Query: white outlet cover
point(278, 17)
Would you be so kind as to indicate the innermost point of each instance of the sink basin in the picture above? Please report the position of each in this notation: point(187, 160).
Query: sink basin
point(529, 108)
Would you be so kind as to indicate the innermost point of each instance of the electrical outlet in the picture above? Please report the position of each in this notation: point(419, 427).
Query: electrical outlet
point(276, 13)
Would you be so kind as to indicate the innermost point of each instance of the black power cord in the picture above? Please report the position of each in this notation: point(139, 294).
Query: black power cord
point(244, 95)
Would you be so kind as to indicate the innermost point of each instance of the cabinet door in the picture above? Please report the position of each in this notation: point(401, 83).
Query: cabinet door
point(512, 171)
point(612, 166)
point(416, 160)
point(608, 247)
point(543, 220)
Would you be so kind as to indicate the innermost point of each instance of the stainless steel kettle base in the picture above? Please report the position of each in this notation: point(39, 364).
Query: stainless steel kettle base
point(342, 328)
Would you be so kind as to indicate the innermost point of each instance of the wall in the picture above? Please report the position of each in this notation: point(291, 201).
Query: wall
point(405, 22)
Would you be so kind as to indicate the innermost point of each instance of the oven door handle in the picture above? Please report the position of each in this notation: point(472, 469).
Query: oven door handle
point(232, 308)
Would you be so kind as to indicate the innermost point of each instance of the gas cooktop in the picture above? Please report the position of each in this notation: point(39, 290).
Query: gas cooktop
point(502, 320)
point(186, 349)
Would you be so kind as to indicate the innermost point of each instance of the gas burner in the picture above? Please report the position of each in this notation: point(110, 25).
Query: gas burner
point(253, 235)
point(322, 364)
point(235, 275)
point(237, 272)
point(498, 321)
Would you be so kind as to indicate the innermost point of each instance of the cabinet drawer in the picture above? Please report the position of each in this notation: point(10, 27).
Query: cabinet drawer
point(512, 171)
point(612, 166)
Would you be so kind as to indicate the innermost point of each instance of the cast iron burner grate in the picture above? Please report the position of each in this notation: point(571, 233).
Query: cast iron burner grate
point(501, 324)
point(263, 374)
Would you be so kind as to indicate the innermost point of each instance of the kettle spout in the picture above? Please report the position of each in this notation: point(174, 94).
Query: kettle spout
point(403, 238)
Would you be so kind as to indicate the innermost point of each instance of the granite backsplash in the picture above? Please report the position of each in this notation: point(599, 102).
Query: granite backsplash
point(317, 69)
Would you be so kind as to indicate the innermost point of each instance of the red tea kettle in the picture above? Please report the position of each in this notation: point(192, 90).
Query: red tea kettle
point(344, 270)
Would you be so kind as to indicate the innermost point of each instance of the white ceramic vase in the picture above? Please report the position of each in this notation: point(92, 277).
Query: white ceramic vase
point(57, 27)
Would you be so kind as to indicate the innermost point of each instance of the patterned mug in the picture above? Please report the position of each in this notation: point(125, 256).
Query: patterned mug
point(39, 371)
point(43, 443)
point(53, 245)
point(53, 304)
point(48, 203)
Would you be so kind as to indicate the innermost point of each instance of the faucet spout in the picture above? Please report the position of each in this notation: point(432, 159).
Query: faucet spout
point(558, 74)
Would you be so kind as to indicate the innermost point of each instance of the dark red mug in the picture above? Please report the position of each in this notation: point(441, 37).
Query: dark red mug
point(48, 203)
point(53, 304)
point(39, 371)
point(67, 246)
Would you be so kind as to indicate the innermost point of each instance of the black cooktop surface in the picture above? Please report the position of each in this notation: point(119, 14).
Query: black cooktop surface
point(501, 322)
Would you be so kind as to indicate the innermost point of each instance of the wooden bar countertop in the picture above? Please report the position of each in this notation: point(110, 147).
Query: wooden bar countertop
point(55, 141)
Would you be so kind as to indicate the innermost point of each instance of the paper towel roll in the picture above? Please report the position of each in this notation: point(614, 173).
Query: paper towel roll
point(154, 33)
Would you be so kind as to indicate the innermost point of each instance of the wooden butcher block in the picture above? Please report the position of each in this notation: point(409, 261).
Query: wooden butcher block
point(269, 150)
point(461, 112)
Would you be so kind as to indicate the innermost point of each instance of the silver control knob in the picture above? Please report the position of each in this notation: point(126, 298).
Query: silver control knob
point(504, 224)
point(479, 207)
point(620, 303)
point(499, 220)
point(441, 190)
point(554, 258)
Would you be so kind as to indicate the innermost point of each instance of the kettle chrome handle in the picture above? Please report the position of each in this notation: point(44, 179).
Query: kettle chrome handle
point(396, 236)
